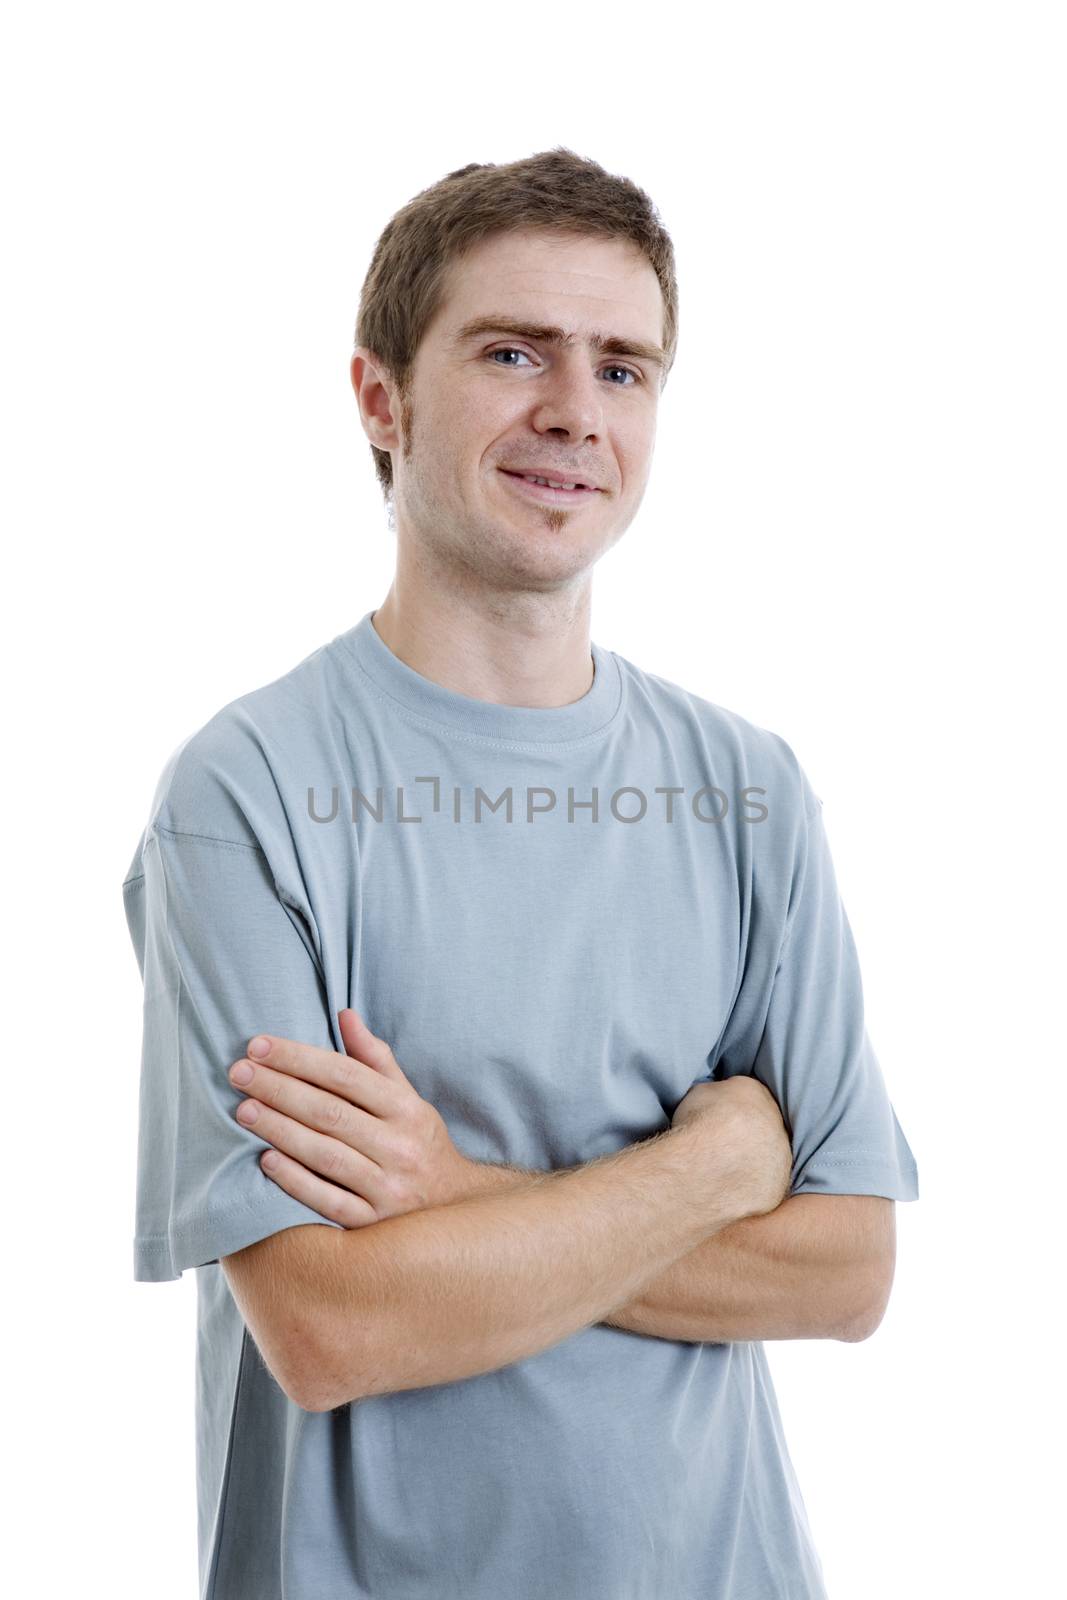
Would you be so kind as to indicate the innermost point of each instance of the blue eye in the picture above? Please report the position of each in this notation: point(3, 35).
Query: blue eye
point(511, 350)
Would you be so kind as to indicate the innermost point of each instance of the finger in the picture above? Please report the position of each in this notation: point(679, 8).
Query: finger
point(336, 1205)
point(316, 1109)
point(338, 1074)
point(367, 1047)
point(331, 1159)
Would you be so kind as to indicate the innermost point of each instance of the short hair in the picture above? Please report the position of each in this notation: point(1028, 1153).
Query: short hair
point(555, 189)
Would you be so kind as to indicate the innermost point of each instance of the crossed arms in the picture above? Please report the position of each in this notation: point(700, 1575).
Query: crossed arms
point(446, 1267)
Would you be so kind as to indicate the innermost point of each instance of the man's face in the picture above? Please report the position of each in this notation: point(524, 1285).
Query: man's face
point(484, 401)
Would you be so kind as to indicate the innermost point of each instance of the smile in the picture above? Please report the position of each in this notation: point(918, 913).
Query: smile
point(544, 493)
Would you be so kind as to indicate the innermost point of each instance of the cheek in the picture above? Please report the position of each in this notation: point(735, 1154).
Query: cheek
point(634, 457)
point(486, 416)
point(473, 411)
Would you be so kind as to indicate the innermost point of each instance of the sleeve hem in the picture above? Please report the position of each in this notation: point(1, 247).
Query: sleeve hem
point(161, 1258)
point(859, 1177)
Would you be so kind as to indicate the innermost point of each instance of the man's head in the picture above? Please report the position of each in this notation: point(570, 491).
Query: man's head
point(516, 319)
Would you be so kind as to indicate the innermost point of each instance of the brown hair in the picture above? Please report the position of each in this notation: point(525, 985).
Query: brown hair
point(557, 189)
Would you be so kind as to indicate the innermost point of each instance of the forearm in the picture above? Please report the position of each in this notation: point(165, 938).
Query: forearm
point(793, 1273)
point(784, 1275)
point(456, 1290)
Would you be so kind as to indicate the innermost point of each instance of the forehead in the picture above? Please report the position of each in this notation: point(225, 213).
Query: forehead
point(581, 281)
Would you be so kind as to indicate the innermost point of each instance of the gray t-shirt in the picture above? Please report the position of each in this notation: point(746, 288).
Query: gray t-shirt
point(560, 919)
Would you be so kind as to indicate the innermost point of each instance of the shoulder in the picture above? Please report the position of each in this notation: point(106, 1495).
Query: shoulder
point(731, 747)
point(223, 781)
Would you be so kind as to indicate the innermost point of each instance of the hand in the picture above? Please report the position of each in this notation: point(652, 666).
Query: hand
point(749, 1133)
point(381, 1149)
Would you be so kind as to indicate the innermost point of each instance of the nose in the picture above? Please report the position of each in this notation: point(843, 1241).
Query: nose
point(569, 402)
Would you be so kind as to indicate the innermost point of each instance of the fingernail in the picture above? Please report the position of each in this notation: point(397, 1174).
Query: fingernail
point(241, 1072)
point(259, 1046)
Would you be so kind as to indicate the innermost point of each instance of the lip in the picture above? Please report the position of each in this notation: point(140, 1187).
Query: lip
point(545, 496)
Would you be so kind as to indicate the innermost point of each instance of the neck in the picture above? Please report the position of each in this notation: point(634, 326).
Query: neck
point(526, 653)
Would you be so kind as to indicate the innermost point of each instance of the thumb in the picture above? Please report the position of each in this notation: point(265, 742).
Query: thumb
point(365, 1046)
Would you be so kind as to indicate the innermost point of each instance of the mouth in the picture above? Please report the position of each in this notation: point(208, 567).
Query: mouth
point(546, 493)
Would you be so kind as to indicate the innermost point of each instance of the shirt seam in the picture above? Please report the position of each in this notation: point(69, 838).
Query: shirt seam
point(873, 1158)
point(182, 1230)
point(208, 838)
point(793, 915)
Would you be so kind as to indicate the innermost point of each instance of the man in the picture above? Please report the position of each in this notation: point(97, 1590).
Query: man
point(505, 1077)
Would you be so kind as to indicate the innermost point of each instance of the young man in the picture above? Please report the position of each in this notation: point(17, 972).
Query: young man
point(566, 1081)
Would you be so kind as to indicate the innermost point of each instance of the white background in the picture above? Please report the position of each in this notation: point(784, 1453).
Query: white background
point(851, 536)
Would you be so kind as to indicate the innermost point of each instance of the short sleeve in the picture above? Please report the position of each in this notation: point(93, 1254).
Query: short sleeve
point(805, 1039)
point(222, 957)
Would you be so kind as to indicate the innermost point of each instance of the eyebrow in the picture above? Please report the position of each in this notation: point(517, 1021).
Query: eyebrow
point(608, 344)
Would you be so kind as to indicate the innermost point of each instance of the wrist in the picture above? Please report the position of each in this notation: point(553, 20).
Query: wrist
point(718, 1172)
point(485, 1177)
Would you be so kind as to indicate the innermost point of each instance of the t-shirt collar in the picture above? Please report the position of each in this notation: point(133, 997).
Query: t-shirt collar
point(432, 702)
